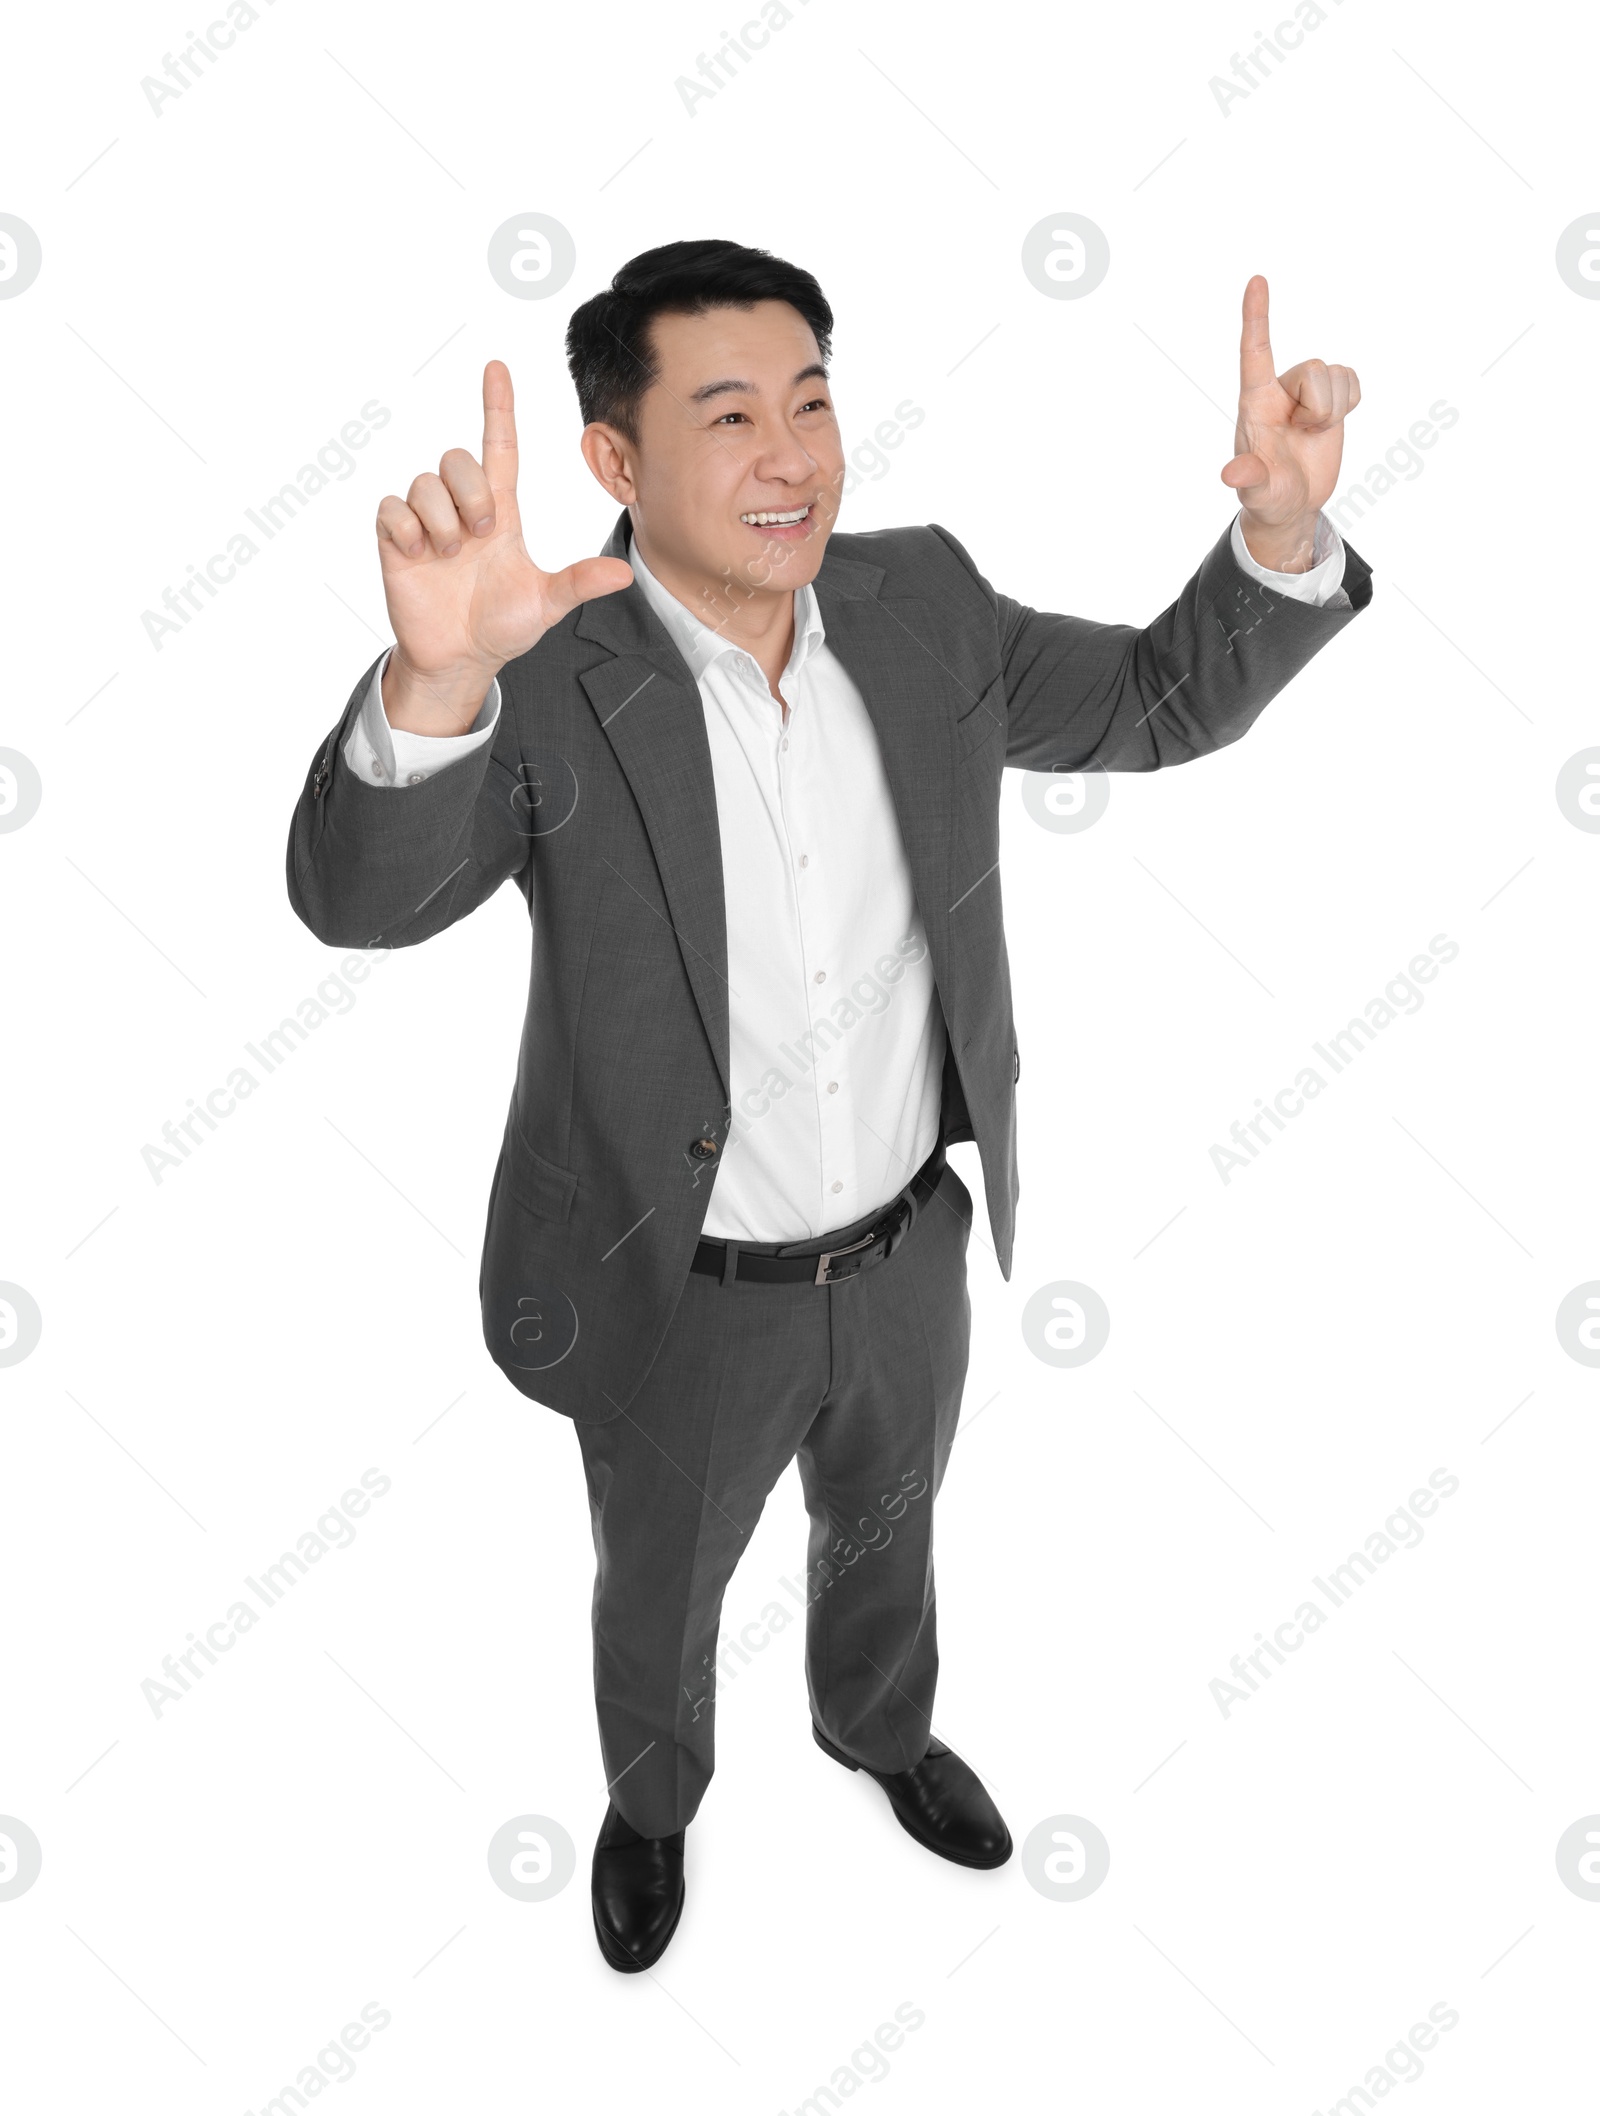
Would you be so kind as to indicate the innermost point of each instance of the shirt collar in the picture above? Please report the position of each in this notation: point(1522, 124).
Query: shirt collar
point(701, 644)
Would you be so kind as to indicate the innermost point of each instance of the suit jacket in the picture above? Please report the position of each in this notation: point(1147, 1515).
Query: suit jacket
point(596, 797)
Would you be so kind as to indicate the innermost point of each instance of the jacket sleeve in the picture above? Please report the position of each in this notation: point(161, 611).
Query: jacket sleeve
point(380, 867)
point(1082, 696)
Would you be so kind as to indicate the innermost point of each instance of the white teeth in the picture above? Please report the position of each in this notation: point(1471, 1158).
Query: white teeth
point(761, 521)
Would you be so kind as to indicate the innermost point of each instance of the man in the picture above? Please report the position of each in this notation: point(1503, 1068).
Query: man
point(746, 775)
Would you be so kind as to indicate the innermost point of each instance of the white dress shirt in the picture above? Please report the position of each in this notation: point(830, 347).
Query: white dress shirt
point(836, 1035)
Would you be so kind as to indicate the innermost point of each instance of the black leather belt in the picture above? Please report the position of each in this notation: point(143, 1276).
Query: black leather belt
point(825, 1260)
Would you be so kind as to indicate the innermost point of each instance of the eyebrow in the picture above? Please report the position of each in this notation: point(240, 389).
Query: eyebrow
point(708, 390)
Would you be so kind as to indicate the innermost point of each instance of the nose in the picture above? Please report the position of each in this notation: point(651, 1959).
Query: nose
point(786, 460)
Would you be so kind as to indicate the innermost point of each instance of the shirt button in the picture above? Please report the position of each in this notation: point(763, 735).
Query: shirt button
point(377, 769)
point(415, 779)
point(833, 1087)
point(838, 1186)
point(819, 978)
point(784, 744)
point(805, 859)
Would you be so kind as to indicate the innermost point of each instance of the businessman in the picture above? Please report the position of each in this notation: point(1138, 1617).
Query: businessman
point(745, 773)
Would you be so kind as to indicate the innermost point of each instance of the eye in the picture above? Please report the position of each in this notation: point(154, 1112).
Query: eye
point(816, 404)
point(729, 415)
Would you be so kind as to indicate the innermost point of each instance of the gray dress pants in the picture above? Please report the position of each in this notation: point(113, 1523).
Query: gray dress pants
point(862, 1381)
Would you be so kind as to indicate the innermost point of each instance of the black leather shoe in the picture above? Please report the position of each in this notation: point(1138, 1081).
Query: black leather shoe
point(637, 1892)
point(939, 1801)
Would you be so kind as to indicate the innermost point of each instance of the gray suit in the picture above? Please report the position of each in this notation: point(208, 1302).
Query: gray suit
point(691, 1396)
point(596, 795)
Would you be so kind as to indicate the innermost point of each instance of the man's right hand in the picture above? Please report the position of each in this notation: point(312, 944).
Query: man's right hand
point(464, 597)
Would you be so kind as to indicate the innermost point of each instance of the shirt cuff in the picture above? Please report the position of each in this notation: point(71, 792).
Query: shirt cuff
point(382, 755)
point(1321, 585)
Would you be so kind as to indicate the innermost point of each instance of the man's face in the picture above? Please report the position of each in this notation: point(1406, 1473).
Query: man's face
point(739, 424)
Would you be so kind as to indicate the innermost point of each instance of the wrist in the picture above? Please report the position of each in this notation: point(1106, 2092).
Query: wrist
point(436, 701)
point(1282, 547)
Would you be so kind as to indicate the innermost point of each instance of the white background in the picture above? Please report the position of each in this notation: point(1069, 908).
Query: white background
point(1292, 1885)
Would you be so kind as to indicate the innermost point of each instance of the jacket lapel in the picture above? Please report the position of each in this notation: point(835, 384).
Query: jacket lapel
point(649, 706)
point(890, 649)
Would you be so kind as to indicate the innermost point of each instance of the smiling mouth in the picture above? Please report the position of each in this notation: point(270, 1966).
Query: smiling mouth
point(774, 518)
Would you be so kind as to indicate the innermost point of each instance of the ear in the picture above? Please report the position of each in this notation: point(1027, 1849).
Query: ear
point(605, 450)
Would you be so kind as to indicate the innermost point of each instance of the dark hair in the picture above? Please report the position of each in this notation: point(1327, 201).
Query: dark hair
point(610, 355)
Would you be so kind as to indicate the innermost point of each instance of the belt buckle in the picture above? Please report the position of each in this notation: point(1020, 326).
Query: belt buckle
point(823, 1277)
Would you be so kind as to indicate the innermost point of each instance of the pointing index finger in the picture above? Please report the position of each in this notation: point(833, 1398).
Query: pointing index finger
point(1255, 347)
point(499, 428)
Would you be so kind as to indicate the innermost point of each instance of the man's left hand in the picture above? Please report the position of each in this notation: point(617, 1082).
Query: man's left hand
point(1288, 442)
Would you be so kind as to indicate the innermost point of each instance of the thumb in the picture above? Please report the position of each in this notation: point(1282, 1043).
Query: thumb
point(1244, 470)
point(583, 581)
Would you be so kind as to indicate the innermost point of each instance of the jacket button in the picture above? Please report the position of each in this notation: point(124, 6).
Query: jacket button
point(703, 1149)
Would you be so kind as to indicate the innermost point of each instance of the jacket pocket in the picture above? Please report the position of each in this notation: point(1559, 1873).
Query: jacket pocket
point(537, 1184)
